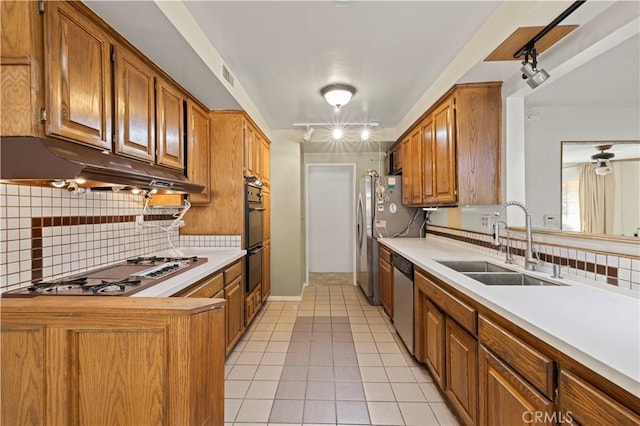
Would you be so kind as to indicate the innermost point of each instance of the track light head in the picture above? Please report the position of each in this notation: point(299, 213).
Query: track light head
point(306, 136)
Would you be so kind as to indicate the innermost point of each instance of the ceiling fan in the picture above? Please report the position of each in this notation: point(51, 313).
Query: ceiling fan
point(603, 159)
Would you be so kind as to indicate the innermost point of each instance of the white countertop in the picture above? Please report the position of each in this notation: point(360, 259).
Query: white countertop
point(217, 258)
point(598, 328)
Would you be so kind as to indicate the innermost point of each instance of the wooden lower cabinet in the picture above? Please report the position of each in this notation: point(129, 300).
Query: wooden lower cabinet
point(583, 404)
point(98, 361)
point(506, 398)
point(234, 295)
point(461, 369)
point(435, 347)
point(385, 282)
point(252, 304)
point(266, 272)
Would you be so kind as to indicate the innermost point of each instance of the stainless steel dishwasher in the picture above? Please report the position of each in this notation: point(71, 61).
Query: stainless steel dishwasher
point(403, 299)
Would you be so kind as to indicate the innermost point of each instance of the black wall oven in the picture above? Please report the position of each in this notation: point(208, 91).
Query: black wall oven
point(253, 236)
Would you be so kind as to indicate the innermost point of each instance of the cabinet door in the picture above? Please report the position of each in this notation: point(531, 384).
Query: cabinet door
point(506, 398)
point(416, 166)
point(256, 148)
point(428, 160)
point(406, 172)
point(385, 278)
point(434, 330)
point(23, 375)
point(135, 115)
point(169, 125)
point(266, 156)
point(444, 172)
point(266, 271)
point(198, 151)
point(249, 154)
point(235, 317)
point(462, 371)
point(78, 74)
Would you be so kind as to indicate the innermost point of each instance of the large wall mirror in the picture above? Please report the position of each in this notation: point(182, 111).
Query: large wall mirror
point(566, 120)
point(601, 187)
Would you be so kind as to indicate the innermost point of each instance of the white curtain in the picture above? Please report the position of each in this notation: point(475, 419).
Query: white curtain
point(597, 200)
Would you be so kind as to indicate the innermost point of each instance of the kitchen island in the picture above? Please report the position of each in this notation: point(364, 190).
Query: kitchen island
point(111, 360)
point(574, 331)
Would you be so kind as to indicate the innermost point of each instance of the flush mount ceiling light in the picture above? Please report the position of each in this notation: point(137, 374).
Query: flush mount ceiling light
point(338, 95)
point(603, 159)
point(530, 71)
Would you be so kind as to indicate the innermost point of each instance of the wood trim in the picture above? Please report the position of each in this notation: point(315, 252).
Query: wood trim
point(15, 60)
point(522, 35)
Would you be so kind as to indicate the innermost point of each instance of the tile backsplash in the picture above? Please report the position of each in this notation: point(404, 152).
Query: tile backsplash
point(46, 233)
point(606, 267)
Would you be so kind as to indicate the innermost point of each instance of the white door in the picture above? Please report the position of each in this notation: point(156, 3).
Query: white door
point(330, 217)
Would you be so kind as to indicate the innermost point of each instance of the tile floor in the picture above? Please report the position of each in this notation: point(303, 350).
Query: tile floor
point(330, 359)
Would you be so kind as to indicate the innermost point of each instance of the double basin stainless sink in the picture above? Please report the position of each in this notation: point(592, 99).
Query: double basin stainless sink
point(489, 274)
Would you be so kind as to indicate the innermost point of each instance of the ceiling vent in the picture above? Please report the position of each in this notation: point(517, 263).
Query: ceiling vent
point(227, 75)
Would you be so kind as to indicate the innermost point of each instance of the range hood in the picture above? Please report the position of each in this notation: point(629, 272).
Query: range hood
point(38, 161)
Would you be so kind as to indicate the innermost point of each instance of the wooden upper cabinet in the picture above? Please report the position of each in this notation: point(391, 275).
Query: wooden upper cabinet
point(416, 166)
point(198, 151)
point(428, 150)
point(134, 97)
point(248, 138)
point(169, 125)
point(266, 157)
point(444, 154)
point(406, 171)
point(78, 77)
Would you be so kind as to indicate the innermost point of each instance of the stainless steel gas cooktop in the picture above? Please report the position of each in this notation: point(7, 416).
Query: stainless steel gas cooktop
point(122, 279)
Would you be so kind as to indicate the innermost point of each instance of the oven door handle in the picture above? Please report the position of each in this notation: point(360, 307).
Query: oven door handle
point(255, 251)
point(256, 209)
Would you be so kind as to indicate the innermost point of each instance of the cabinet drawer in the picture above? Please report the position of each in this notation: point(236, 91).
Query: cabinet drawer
point(453, 307)
point(528, 362)
point(232, 272)
point(205, 288)
point(384, 253)
point(589, 406)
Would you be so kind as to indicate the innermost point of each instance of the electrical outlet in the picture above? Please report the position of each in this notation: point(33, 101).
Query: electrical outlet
point(485, 222)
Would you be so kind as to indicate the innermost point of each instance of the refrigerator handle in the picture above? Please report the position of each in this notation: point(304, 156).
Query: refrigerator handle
point(359, 222)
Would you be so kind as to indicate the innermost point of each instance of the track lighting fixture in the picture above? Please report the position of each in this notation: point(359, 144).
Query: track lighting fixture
point(339, 131)
point(530, 72)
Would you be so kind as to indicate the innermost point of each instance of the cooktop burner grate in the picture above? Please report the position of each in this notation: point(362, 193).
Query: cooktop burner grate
point(109, 286)
point(60, 285)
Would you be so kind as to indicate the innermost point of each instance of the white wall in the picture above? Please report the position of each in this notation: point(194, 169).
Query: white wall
point(547, 126)
point(363, 160)
point(627, 216)
point(330, 217)
point(286, 211)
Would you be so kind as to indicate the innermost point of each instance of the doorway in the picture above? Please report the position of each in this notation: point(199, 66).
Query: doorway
point(330, 223)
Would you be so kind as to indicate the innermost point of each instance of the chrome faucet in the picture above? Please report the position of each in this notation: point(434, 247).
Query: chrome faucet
point(508, 256)
point(529, 261)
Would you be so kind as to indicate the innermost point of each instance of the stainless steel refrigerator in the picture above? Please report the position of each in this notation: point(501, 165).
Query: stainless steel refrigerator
point(380, 213)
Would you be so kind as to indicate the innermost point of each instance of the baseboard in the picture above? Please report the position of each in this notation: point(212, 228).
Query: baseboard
point(284, 299)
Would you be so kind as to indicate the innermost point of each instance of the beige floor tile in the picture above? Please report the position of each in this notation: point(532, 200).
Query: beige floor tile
point(408, 392)
point(443, 414)
point(254, 410)
point(273, 358)
point(383, 337)
point(232, 357)
point(373, 374)
point(385, 413)
point(284, 327)
point(400, 374)
point(362, 337)
point(236, 388)
point(264, 326)
point(388, 348)
point(231, 407)
point(268, 372)
point(421, 374)
point(242, 372)
point(257, 346)
point(281, 336)
point(369, 360)
point(378, 391)
point(360, 328)
point(262, 389)
point(260, 336)
point(366, 348)
point(393, 360)
point(276, 346)
point(430, 392)
point(418, 414)
point(250, 358)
